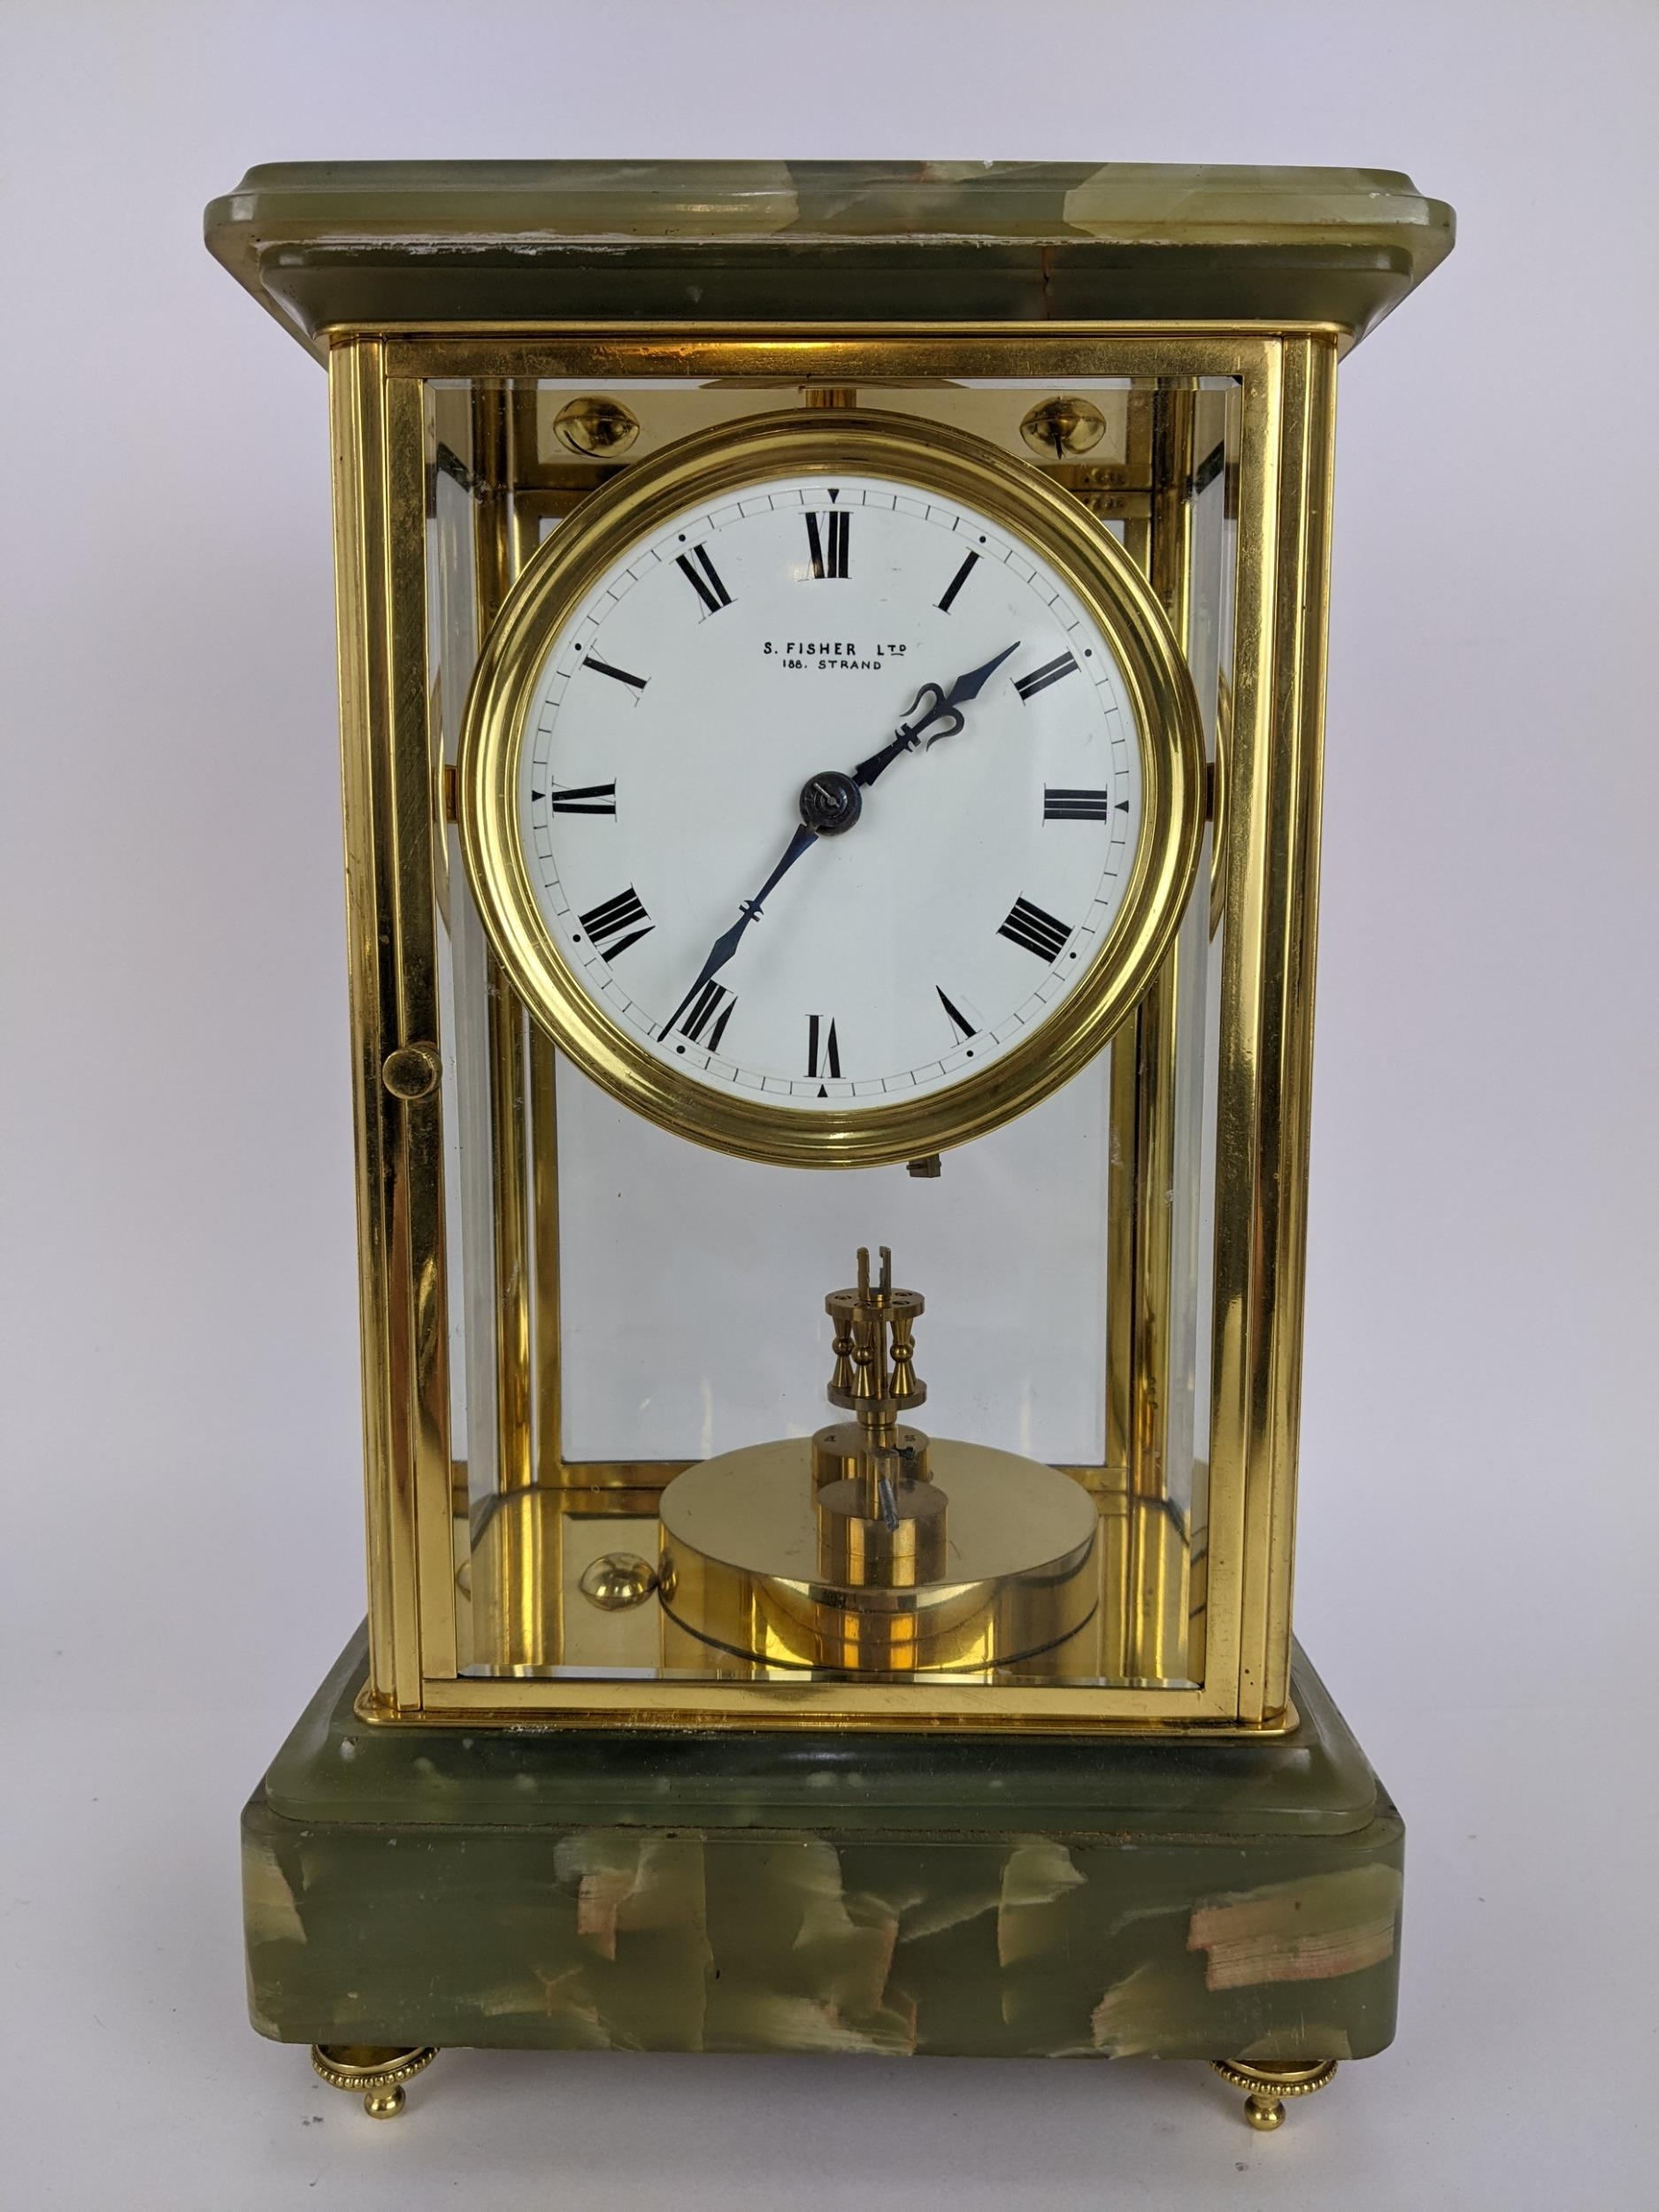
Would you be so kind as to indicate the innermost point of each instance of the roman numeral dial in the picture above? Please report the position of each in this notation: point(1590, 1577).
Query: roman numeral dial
point(617, 923)
point(702, 1015)
point(1034, 931)
point(956, 582)
point(1051, 672)
point(823, 1049)
point(961, 1027)
point(701, 573)
point(827, 537)
point(804, 857)
point(590, 798)
point(597, 668)
point(1063, 805)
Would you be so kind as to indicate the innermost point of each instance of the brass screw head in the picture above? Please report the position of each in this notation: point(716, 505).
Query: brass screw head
point(412, 1071)
point(596, 428)
point(617, 1580)
point(1060, 429)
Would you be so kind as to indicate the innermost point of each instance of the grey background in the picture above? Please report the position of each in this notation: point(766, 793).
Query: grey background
point(182, 1508)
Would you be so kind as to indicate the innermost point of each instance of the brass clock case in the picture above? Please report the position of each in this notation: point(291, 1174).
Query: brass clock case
point(954, 465)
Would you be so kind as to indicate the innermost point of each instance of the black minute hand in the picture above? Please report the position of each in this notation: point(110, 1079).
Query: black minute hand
point(728, 942)
point(946, 708)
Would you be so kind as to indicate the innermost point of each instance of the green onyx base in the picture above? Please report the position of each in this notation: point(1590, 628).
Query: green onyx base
point(1224, 1898)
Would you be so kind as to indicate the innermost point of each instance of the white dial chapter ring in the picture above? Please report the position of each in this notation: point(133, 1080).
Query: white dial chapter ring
point(674, 659)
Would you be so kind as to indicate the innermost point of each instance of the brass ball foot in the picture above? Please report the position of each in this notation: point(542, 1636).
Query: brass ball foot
point(376, 2071)
point(1268, 2085)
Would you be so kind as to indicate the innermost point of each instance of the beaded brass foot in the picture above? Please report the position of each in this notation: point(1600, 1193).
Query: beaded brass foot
point(376, 2071)
point(1269, 2086)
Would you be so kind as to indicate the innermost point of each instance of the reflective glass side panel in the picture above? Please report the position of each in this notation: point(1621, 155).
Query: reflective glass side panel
point(621, 1303)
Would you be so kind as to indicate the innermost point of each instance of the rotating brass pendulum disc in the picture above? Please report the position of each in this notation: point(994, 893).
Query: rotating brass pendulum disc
point(871, 1548)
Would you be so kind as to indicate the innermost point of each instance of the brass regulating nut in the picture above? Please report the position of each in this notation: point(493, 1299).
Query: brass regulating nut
point(1060, 429)
point(596, 428)
point(881, 1523)
point(839, 1452)
point(412, 1071)
point(874, 1345)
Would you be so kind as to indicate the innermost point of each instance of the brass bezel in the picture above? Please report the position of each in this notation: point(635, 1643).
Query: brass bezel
point(951, 464)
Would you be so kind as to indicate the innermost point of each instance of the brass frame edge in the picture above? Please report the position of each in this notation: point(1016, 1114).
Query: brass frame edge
point(760, 1708)
point(1283, 519)
point(762, 333)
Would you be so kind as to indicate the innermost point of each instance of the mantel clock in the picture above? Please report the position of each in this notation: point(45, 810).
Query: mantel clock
point(832, 661)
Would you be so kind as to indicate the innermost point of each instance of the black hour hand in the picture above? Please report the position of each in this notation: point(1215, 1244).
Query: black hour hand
point(973, 683)
point(945, 708)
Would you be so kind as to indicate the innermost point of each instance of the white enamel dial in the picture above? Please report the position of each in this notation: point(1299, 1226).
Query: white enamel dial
point(778, 643)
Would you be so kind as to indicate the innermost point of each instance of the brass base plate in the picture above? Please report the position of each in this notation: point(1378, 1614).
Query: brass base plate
point(540, 1650)
point(741, 1566)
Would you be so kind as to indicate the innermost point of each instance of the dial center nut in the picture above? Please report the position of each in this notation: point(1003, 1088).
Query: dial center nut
point(830, 803)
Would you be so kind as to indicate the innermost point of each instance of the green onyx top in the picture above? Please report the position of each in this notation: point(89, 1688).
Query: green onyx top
point(362, 244)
